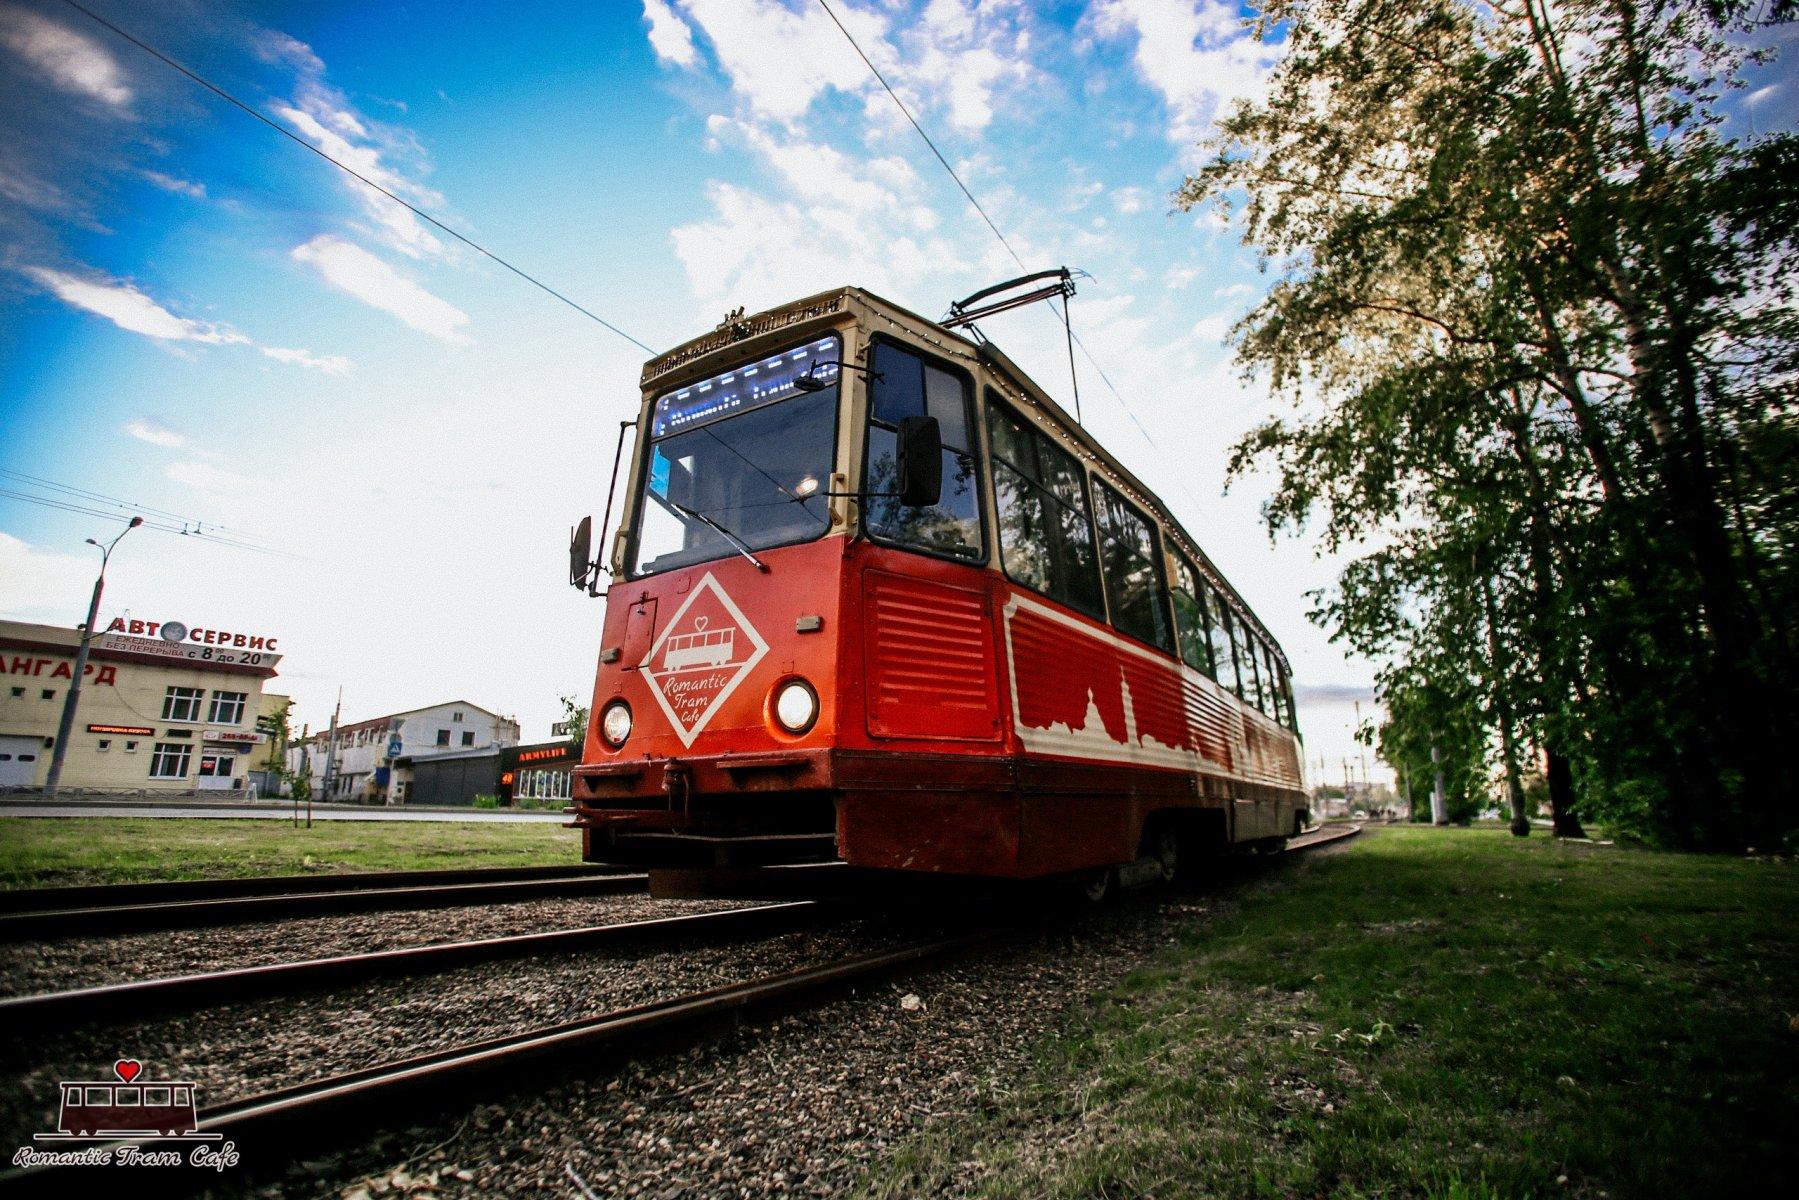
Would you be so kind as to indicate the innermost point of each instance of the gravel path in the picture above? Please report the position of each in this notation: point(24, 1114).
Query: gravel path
point(86, 961)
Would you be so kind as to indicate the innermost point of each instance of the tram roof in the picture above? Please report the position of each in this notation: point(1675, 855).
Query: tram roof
point(757, 332)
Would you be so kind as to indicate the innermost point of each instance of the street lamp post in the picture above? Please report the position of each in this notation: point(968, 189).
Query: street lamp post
point(67, 728)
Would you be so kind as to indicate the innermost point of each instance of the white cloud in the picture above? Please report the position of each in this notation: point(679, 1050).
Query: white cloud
point(154, 431)
point(1129, 200)
point(1197, 53)
point(1180, 277)
point(128, 308)
point(1235, 290)
point(338, 132)
point(72, 61)
point(780, 59)
point(323, 115)
point(759, 251)
point(669, 35)
point(176, 184)
point(1212, 329)
point(372, 281)
point(43, 585)
point(330, 364)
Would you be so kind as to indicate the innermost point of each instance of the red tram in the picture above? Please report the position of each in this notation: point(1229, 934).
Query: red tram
point(875, 597)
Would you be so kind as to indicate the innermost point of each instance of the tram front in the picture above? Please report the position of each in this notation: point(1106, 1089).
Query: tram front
point(716, 704)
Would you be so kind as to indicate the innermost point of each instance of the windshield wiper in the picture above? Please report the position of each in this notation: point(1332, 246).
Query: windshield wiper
point(742, 547)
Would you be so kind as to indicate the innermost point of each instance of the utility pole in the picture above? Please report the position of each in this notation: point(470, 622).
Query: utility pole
point(66, 728)
point(330, 756)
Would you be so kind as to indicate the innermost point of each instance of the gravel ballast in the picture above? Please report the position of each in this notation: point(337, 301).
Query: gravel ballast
point(797, 1107)
point(91, 961)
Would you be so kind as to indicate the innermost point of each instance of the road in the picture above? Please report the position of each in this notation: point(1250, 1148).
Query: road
point(240, 812)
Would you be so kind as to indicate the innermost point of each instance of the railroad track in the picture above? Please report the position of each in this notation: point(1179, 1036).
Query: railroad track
point(407, 1090)
point(131, 908)
point(120, 1001)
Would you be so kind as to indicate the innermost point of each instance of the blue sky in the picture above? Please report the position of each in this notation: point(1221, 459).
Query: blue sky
point(200, 316)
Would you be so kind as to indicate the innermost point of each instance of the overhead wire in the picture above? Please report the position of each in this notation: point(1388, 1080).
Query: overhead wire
point(161, 526)
point(129, 505)
point(1073, 337)
point(349, 170)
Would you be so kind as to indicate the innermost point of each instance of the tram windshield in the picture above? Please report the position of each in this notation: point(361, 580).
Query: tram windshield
point(738, 461)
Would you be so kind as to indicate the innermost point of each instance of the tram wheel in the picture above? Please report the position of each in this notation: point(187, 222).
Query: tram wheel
point(1165, 847)
point(1098, 886)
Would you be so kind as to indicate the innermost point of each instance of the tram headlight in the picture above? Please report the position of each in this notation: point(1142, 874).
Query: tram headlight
point(615, 723)
point(796, 706)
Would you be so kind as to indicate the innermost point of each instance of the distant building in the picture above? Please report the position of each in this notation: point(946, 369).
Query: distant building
point(165, 706)
point(374, 763)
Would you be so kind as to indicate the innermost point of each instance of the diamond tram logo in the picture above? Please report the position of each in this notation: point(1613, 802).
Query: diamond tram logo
point(701, 657)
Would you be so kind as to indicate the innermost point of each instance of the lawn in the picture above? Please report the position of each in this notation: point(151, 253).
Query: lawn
point(38, 852)
point(1425, 1013)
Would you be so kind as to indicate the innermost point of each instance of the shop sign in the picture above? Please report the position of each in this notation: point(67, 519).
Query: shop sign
point(241, 737)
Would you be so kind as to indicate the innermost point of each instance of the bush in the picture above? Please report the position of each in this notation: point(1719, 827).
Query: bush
point(486, 801)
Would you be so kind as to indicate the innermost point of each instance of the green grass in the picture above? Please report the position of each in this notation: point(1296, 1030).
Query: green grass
point(1445, 1014)
point(40, 852)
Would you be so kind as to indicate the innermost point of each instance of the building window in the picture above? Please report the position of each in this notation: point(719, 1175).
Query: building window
point(443, 737)
point(49, 693)
point(104, 744)
point(217, 766)
point(18, 693)
point(455, 716)
point(227, 708)
point(182, 704)
point(131, 747)
point(170, 760)
point(468, 737)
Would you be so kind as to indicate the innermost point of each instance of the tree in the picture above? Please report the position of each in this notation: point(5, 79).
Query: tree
point(574, 715)
point(1534, 317)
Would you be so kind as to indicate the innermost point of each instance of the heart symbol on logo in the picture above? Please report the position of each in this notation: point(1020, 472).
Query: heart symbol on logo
point(127, 1069)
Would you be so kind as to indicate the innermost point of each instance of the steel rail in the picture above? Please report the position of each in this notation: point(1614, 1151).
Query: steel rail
point(1322, 836)
point(626, 1033)
point(142, 997)
point(99, 895)
point(192, 914)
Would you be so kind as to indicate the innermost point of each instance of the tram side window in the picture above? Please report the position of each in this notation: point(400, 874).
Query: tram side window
point(1193, 626)
point(1230, 670)
point(1245, 643)
point(1131, 562)
point(1045, 530)
point(1271, 685)
point(905, 385)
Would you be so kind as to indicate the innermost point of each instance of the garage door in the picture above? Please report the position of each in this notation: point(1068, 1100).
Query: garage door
point(20, 760)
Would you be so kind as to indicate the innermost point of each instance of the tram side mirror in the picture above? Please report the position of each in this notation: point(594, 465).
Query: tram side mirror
point(920, 462)
point(580, 553)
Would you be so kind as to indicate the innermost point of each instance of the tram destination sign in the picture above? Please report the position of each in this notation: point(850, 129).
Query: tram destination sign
point(741, 389)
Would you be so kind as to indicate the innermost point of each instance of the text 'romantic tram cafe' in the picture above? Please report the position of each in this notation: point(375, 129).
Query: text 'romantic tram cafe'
point(165, 706)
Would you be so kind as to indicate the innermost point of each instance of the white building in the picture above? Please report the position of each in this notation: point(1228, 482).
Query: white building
point(366, 750)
